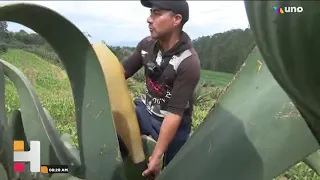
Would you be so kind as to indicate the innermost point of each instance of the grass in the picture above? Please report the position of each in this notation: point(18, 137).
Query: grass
point(51, 85)
point(216, 78)
point(54, 91)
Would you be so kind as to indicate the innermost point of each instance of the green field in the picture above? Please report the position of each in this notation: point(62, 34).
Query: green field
point(51, 84)
point(54, 91)
point(216, 78)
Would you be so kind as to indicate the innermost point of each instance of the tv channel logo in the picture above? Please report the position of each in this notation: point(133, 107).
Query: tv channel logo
point(282, 10)
point(20, 156)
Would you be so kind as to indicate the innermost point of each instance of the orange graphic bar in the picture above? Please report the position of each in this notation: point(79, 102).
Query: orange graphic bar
point(18, 146)
point(44, 169)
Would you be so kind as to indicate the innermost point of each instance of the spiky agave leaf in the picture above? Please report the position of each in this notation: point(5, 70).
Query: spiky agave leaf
point(290, 45)
point(98, 143)
point(253, 133)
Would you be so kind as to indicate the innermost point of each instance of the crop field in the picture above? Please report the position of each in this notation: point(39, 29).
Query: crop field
point(216, 78)
point(54, 91)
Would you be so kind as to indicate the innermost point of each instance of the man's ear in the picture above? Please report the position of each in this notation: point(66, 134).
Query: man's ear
point(177, 19)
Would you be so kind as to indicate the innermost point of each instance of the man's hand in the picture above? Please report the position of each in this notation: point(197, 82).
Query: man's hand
point(153, 166)
point(168, 130)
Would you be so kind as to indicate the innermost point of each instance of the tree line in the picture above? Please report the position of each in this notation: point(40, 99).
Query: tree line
point(224, 52)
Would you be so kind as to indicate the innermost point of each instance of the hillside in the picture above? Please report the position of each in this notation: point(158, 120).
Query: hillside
point(50, 82)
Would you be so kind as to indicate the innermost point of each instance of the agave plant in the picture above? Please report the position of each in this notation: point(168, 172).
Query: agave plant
point(201, 94)
point(205, 93)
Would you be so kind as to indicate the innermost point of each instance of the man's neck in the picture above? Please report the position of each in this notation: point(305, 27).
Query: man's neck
point(169, 41)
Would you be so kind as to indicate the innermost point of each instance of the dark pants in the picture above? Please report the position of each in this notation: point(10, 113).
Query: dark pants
point(150, 125)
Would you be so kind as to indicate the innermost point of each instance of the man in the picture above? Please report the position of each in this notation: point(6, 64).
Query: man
point(172, 70)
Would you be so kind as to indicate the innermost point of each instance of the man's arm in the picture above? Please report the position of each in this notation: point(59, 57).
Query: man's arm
point(188, 75)
point(168, 129)
point(133, 63)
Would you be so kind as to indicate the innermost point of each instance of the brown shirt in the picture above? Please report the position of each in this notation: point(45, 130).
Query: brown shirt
point(173, 89)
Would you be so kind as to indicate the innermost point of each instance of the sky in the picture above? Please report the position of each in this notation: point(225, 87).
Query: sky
point(125, 22)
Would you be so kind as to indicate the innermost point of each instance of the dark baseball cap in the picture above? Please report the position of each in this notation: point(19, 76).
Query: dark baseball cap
point(176, 6)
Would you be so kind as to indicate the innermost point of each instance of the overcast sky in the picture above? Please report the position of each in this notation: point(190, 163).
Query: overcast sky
point(124, 22)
